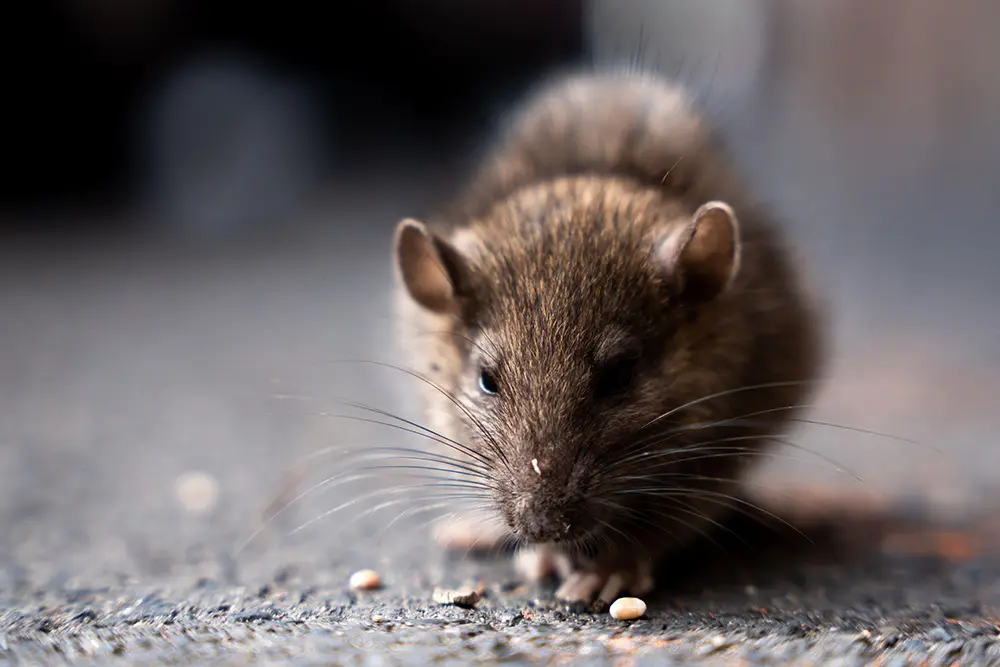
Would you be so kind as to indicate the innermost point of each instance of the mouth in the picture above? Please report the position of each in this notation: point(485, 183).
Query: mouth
point(549, 527)
point(550, 536)
point(547, 517)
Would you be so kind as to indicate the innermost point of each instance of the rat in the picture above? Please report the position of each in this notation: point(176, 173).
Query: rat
point(611, 327)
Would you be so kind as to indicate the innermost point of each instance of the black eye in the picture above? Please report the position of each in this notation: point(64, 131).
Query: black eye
point(488, 382)
point(615, 377)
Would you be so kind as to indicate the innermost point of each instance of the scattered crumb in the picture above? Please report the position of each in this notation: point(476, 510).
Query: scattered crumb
point(197, 492)
point(365, 580)
point(627, 609)
point(465, 597)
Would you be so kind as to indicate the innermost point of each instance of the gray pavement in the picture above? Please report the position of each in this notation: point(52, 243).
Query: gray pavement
point(129, 365)
point(157, 399)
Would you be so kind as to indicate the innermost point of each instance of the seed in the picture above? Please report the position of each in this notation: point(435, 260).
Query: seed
point(626, 609)
point(365, 580)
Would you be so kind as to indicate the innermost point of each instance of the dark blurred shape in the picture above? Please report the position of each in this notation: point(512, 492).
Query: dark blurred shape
point(82, 73)
point(227, 144)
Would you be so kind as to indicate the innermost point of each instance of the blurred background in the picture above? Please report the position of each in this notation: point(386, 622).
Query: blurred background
point(200, 198)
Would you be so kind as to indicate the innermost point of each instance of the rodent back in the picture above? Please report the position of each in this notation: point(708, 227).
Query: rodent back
point(619, 124)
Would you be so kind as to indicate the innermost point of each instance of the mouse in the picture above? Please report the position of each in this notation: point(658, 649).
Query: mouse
point(613, 329)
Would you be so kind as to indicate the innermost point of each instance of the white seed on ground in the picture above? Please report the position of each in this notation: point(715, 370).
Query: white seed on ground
point(626, 609)
point(197, 492)
point(365, 580)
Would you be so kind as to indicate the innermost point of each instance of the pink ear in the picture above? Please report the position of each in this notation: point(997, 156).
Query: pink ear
point(431, 270)
point(702, 257)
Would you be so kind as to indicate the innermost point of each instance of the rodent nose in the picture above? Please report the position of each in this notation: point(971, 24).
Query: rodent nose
point(540, 520)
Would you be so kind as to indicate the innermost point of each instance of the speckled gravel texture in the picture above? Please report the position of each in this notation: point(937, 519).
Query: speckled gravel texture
point(127, 364)
point(772, 605)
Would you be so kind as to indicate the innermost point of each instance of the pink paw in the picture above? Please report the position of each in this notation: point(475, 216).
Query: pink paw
point(601, 586)
point(589, 584)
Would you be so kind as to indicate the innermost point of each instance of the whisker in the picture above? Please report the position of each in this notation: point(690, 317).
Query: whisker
point(421, 505)
point(742, 420)
point(332, 481)
point(494, 445)
point(649, 456)
point(717, 497)
point(510, 541)
point(456, 483)
point(865, 431)
point(687, 508)
point(335, 480)
point(418, 429)
point(355, 501)
point(616, 508)
point(678, 475)
point(682, 429)
point(689, 526)
point(727, 392)
point(504, 541)
point(414, 511)
point(424, 525)
point(421, 430)
point(732, 452)
point(619, 508)
point(609, 526)
point(449, 464)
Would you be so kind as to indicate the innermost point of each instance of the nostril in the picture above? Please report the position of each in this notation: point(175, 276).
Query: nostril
point(541, 521)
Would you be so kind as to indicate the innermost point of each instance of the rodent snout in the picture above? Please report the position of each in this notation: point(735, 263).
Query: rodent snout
point(538, 518)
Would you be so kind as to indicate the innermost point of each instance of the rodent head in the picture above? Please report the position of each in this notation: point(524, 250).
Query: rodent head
point(577, 324)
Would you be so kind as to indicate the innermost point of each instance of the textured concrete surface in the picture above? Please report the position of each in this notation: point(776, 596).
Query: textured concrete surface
point(128, 364)
point(158, 402)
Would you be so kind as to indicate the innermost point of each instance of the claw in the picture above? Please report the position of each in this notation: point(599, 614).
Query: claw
point(580, 587)
point(602, 587)
point(612, 587)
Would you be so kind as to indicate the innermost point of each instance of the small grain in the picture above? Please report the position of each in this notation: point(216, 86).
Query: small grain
point(627, 609)
point(365, 580)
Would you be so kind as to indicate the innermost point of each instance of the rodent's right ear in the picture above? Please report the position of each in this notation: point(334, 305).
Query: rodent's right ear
point(433, 272)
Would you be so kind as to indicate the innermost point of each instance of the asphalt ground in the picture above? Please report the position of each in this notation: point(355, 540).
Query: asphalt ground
point(158, 399)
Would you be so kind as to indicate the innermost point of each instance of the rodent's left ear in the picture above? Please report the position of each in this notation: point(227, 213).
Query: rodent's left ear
point(702, 258)
point(433, 272)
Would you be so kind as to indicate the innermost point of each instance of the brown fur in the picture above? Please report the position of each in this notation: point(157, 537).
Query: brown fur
point(555, 269)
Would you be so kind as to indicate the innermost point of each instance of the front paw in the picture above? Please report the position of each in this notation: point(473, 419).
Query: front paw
point(542, 561)
point(600, 584)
